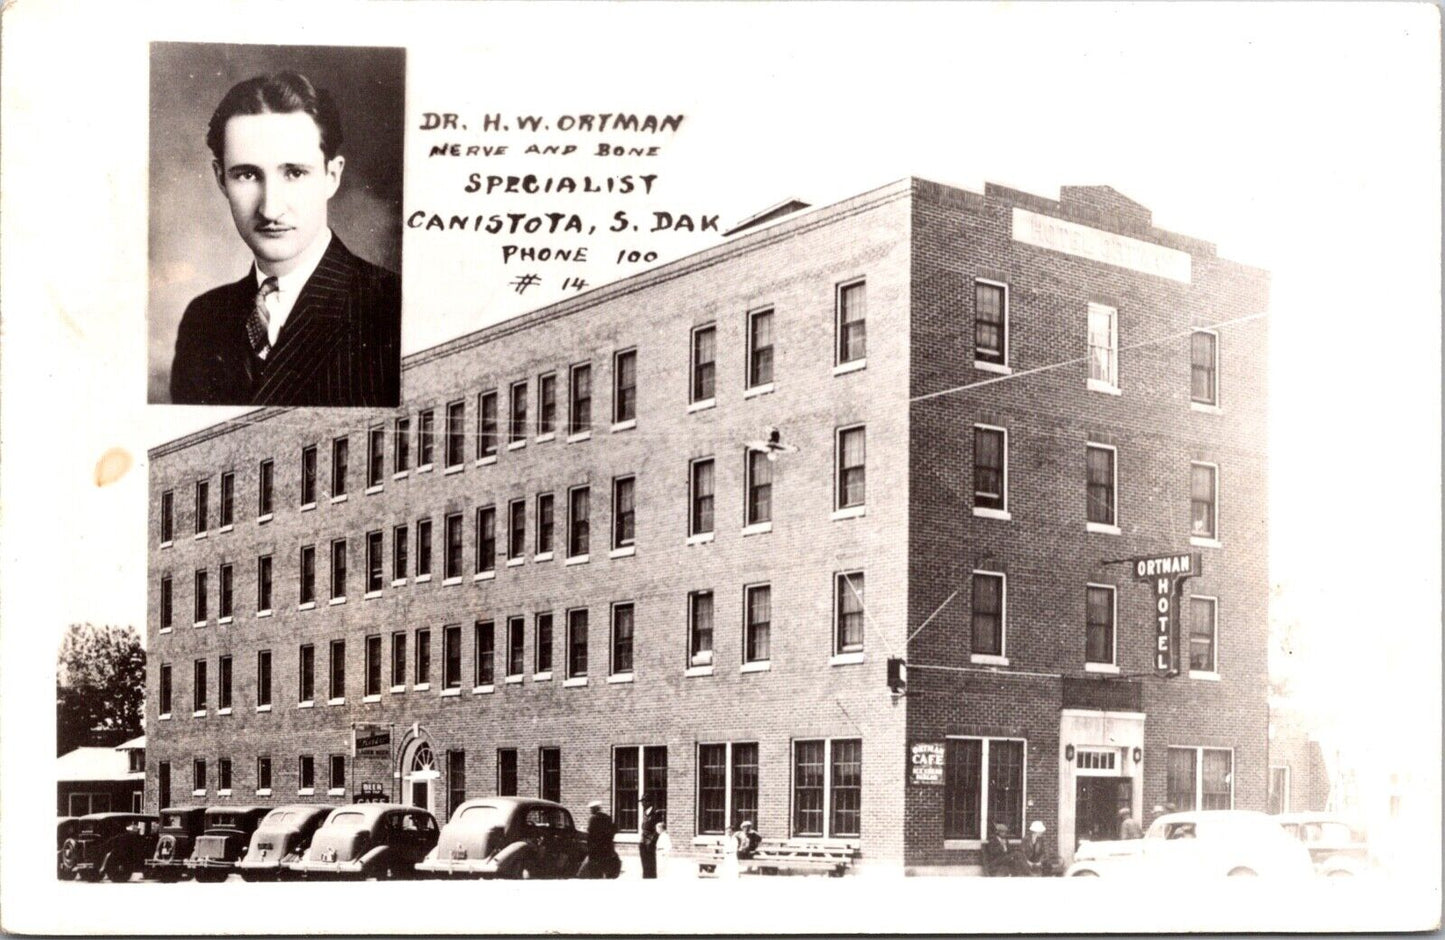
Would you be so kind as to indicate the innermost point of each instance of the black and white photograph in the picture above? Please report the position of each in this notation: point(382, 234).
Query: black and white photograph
point(884, 468)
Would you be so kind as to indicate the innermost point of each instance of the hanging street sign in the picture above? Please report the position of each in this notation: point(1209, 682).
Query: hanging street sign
point(1167, 574)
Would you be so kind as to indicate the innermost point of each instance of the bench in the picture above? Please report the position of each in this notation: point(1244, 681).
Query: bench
point(784, 857)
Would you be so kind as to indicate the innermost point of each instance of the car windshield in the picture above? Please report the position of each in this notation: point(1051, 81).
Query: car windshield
point(348, 819)
point(172, 820)
point(224, 819)
point(484, 815)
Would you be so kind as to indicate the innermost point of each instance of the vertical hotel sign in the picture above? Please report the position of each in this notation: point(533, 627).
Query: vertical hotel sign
point(1167, 574)
point(1071, 238)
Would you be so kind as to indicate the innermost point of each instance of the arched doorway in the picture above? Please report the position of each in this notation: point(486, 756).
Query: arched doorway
point(419, 776)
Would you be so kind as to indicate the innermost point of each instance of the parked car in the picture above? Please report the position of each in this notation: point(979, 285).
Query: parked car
point(1336, 847)
point(180, 827)
point(228, 831)
point(1207, 843)
point(508, 837)
point(369, 840)
point(283, 836)
point(110, 845)
point(65, 827)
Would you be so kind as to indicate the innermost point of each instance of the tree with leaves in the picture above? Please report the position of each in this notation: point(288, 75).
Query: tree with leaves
point(99, 684)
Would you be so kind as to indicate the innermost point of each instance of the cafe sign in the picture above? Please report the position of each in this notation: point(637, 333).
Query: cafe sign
point(925, 760)
point(371, 741)
point(1167, 574)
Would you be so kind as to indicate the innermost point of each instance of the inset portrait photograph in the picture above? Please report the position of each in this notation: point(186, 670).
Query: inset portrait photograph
point(275, 225)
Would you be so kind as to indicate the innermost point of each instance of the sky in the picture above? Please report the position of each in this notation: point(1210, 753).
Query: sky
point(1300, 138)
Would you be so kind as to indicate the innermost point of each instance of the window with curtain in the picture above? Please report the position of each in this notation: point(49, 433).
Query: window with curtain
point(704, 363)
point(486, 425)
point(1203, 631)
point(852, 467)
point(456, 433)
point(517, 430)
point(852, 322)
point(1203, 505)
point(757, 647)
point(700, 628)
point(1099, 629)
point(701, 517)
point(1103, 346)
point(760, 348)
point(623, 511)
point(1100, 484)
point(988, 600)
point(624, 393)
point(1204, 368)
point(580, 416)
point(849, 605)
point(621, 639)
point(578, 524)
point(760, 488)
point(989, 323)
point(989, 449)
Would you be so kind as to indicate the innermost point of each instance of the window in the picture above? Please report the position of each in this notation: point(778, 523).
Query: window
point(1101, 481)
point(580, 416)
point(700, 517)
point(338, 772)
point(307, 577)
point(200, 598)
point(398, 658)
point(198, 773)
point(622, 639)
point(544, 642)
point(223, 773)
point(165, 690)
point(727, 784)
point(852, 322)
point(263, 773)
point(424, 657)
point(1201, 778)
point(168, 516)
point(198, 685)
point(263, 677)
point(226, 602)
point(452, 552)
point(203, 499)
point(547, 404)
point(699, 628)
point(136, 762)
point(704, 363)
point(486, 425)
point(578, 527)
point(166, 602)
point(760, 348)
point(624, 386)
point(425, 438)
point(759, 508)
point(1099, 624)
point(1278, 790)
point(456, 781)
point(983, 786)
point(758, 629)
point(638, 772)
point(265, 488)
point(401, 434)
point(1203, 634)
point(452, 657)
point(852, 467)
point(1204, 367)
point(623, 512)
point(848, 632)
point(1203, 501)
point(423, 548)
point(577, 644)
point(990, 468)
point(486, 539)
point(506, 771)
point(399, 543)
point(375, 456)
point(228, 499)
point(373, 665)
point(516, 643)
point(455, 432)
point(306, 772)
point(544, 524)
point(990, 322)
point(163, 784)
point(1103, 348)
point(338, 669)
point(340, 451)
point(338, 569)
point(485, 636)
point(828, 788)
point(549, 774)
point(263, 583)
point(517, 429)
point(223, 682)
point(308, 476)
point(373, 562)
point(516, 529)
point(306, 672)
point(988, 613)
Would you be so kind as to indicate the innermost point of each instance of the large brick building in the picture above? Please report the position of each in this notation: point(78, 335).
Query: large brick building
point(668, 534)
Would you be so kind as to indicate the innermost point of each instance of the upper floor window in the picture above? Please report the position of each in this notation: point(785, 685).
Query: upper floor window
point(544, 641)
point(423, 656)
point(990, 468)
point(401, 433)
point(517, 426)
point(990, 322)
point(549, 773)
point(1103, 348)
point(227, 592)
point(340, 451)
point(1203, 501)
point(577, 643)
point(852, 322)
point(758, 626)
point(704, 363)
point(623, 511)
point(452, 552)
point(425, 438)
point(198, 686)
point(699, 628)
point(760, 348)
point(265, 488)
point(165, 689)
point(306, 578)
point(423, 548)
point(579, 419)
point(578, 524)
point(848, 631)
point(1204, 367)
point(263, 677)
point(516, 646)
point(700, 517)
point(624, 386)
point(263, 583)
point(506, 771)
point(544, 523)
point(374, 563)
point(308, 476)
point(621, 639)
point(166, 602)
point(852, 467)
point(1203, 634)
point(399, 561)
point(1101, 485)
point(375, 455)
point(201, 602)
point(516, 529)
point(456, 433)
point(988, 613)
point(452, 657)
point(223, 683)
point(203, 500)
point(546, 404)
point(398, 658)
point(1099, 624)
point(228, 499)
point(759, 507)
point(168, 516)
point(486, 539)
point(338, 569)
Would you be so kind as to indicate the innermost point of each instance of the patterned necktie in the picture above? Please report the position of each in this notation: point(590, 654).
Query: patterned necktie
point(259, 322)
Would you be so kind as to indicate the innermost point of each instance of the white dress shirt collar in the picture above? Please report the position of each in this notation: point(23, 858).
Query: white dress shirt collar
point(288, 286)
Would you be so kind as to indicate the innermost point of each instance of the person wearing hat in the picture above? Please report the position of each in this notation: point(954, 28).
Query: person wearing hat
point(1128, 825)
point(1038, 858)
point(998, 854)
point(647, 847)
point(748, 840)
point(602, 860)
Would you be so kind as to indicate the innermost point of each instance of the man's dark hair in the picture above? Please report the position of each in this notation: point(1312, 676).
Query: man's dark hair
point(278, 93)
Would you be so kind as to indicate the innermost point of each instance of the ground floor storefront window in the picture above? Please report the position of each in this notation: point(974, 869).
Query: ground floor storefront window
point(983, 786)
point(828, 788)
point(631, 767)
point(727, 787)
point(1201, 778)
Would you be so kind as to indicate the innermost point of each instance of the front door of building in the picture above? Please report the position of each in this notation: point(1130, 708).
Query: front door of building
point(1096, 807)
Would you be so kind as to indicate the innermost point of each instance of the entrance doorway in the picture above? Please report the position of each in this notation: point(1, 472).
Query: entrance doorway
point(1097, 801)
point(421, 777)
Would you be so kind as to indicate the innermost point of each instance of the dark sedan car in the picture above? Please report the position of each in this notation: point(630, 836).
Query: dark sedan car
point(369, 840)
point(110, 845)
point(508, 837)
point(180, 827)
point(228, 832)
point(283, 837)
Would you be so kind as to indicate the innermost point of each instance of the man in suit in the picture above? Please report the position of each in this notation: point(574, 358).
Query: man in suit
point(310, 323)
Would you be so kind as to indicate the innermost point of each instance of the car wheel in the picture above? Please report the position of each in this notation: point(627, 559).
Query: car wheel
point(1243, 872)
point(119, 872)
point(89, 874)
point(1085, 873)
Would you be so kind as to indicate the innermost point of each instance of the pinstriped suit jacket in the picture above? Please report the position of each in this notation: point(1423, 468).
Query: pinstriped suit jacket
point(341, 345)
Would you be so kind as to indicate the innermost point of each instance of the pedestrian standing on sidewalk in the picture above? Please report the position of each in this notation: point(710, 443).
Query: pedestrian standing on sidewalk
point(602, 860)
point(665, 868)
point(1128, 825)
point(647, 848)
